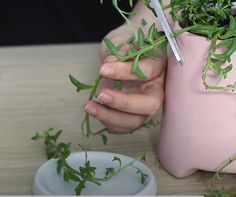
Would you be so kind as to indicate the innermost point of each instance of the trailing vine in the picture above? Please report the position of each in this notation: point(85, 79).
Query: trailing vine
point(86, 173)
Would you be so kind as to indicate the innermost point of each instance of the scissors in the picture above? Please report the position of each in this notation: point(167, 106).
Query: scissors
point(234, 8)
point(167, 30)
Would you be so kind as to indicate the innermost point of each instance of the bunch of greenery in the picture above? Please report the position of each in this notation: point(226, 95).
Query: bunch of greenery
point(212, 19)
point(86, 173)
point(216, 186)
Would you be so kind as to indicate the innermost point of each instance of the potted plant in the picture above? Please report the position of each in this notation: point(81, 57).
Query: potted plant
point(199, 111)
point(197, 128)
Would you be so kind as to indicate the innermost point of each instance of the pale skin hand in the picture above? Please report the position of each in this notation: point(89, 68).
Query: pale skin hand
point(138, 99)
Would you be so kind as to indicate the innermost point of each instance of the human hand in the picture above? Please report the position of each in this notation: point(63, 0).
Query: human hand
point(137, 99)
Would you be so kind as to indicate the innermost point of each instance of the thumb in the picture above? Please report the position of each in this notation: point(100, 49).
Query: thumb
point(118, 36)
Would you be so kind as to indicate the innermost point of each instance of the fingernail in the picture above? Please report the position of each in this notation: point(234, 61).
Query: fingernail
point(90, 109)
point(107, 72)
point(110, 58)
point(105, 98)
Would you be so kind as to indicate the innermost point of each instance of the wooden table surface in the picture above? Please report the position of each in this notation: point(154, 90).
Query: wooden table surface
point(35, 94)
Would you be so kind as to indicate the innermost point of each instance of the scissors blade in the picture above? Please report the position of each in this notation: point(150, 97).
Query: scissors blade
point(234, 8)
point(167, 30)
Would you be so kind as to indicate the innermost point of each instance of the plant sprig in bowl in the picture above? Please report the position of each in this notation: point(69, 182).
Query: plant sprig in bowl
point(85, 173)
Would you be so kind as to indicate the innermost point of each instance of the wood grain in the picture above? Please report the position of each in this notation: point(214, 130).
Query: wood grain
point(35, 94)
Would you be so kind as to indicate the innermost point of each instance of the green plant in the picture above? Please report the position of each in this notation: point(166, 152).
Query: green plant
point(216, 186)
point(86, 173)
point(212, 19)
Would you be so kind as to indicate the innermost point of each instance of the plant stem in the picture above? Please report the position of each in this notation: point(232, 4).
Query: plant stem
point(208, 66)
point(115, 4)
point(86, 131)
point(68, 166)
point(95, 86)
point(116, 172)
point(100, 131)
point(144, 50)
point(182, 30)
point(216, 176)
point(155, 44)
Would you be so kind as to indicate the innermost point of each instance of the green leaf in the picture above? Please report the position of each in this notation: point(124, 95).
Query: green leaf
point(72, 176)
point(143, 175)
point(115, 3)
point(205, 30)
point(232, 86)
point(151, 32)
point(141, 38)
point(227, 70)
point(66, 175)
point(117, 159)
point(230, 49)
point(36, 136)
point(80, 86)
point(66, 153)
point(119, 46)
point(80, 187)
point(104, 138)
point(49, 130)
point(51, 151)
point(146, 2)
point(112, 48)
point(231, 30)
point(136, 69)
point(157, 34)
point(149, 123)
point(163, 47)
point(64, 150)
point(153, 53)
point(109, 171)
point(118, 84)
point(87, 170)
point(143, 22)
point(131, 50)
point(57, 135)
point(217, 62)
point(131, 3)
point(60, 165)
point(143, 158)
point(131, 39)
point(106, 106)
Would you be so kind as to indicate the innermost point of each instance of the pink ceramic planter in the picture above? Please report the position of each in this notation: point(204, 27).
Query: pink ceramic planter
point(198, 129)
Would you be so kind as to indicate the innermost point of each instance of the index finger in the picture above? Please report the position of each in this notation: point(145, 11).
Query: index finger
point(150, 67)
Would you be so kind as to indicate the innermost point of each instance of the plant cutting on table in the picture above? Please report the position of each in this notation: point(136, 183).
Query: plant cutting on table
point(212, 22)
